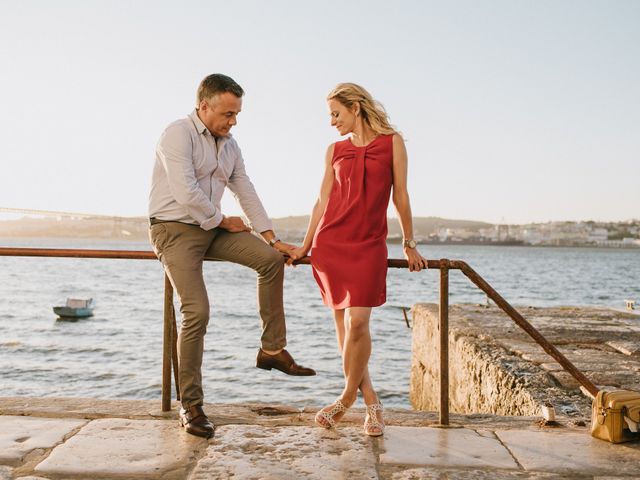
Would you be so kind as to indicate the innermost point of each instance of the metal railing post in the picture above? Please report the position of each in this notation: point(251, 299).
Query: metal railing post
point(174, 351)
point(444, 342)
point(167, 344)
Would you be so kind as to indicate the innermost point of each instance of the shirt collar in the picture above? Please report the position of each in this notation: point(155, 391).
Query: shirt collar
point(197, 122)
point(200, 127)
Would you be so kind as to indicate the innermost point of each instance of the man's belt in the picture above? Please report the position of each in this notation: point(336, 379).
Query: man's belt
point(155, 221)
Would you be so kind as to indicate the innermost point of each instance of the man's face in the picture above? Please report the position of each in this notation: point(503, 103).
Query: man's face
point(219, 113)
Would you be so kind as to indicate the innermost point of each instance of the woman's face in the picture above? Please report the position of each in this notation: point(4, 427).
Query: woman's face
point(343, 118)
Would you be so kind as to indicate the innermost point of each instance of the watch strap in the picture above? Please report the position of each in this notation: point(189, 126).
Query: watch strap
point(409, 242)
point(273, 241)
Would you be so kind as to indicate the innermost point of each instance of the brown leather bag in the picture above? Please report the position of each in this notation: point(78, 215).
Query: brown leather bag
point(608, 413)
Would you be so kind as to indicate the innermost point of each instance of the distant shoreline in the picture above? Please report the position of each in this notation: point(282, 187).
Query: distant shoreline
point(426, 230)
point(39, 239)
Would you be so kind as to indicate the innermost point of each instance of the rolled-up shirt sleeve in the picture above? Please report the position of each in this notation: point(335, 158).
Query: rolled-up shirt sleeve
point(245, 193)
point(175, 152)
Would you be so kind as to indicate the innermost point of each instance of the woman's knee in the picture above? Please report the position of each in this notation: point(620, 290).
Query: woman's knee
point(358, 326)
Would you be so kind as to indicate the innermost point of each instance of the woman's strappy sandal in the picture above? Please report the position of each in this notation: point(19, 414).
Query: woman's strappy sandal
point(329, 415)
point(372, 426)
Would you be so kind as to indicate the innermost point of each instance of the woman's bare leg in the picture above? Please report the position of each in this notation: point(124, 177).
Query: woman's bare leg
point(366, 386)
point(356, 351)
point(354, 344)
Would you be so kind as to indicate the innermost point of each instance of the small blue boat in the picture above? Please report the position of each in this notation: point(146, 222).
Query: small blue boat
point(75, 308)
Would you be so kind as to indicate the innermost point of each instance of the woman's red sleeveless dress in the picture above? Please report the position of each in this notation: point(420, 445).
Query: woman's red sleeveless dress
point(349, 249)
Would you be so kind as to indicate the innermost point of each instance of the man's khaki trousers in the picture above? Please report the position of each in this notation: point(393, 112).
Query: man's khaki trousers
point(182, 248)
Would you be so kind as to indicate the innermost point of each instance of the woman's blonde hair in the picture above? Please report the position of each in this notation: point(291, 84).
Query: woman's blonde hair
point(372, 111)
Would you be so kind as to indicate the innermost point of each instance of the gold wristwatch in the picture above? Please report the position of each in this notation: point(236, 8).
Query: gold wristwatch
point(409, 242)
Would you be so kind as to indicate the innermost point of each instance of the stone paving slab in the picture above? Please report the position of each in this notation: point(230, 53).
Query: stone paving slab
point(5, 473)
point(21, 435)
point(422, 473)
point(125, 448)
point(244, 452)
point(628, 348)
point(571, 453)
point(454, 447)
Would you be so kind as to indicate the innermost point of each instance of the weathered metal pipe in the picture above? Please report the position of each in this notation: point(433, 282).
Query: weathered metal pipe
point(444, 342)
point(174, 351)
point(166, 345)
point(75, 253)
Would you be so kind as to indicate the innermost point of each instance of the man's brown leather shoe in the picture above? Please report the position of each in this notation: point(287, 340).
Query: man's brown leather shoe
point(196, 422)
point(284, 362)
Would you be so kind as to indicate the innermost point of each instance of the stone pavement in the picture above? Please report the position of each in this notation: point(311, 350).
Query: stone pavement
point(45, 438)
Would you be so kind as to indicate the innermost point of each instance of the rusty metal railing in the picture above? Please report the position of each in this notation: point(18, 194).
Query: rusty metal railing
point(170, 359)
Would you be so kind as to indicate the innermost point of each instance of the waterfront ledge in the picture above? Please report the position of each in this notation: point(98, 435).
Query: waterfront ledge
point(495, 367)
point(73, 438)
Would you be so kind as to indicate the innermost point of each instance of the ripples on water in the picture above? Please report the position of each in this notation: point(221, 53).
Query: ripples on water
point(117, 353)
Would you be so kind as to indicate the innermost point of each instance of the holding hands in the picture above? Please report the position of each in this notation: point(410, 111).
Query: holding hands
point(290, 251)
point(296, 254)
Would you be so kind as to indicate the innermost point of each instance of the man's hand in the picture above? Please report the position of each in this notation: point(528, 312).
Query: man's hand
point(291, 252)
point(234, 225)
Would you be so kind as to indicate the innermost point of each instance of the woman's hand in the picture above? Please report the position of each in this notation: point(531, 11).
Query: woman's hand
point(286, 249)
point(296, 254)
point(416, 261)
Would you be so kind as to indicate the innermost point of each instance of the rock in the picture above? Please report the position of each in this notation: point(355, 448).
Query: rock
point(495, 367)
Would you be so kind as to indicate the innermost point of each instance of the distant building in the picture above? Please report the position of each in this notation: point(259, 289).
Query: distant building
point(598, 235)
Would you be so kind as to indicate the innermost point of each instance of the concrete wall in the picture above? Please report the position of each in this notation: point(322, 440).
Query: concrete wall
point(483, 377)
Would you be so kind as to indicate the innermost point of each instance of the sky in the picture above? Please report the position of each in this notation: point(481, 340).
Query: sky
point(513, 111)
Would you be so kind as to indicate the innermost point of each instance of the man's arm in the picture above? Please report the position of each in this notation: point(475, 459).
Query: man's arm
point(176, 155)
point(245, 193)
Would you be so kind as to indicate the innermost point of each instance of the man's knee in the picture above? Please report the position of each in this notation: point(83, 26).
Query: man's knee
point(272, 262)
point(195, 318)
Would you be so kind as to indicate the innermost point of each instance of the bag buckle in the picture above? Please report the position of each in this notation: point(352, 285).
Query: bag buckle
point(603, 414)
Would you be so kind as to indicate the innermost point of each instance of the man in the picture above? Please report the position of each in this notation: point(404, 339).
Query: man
point(196, 158)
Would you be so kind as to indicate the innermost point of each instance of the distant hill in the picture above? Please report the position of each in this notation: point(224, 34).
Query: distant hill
point(422, 226)
point(135, 228)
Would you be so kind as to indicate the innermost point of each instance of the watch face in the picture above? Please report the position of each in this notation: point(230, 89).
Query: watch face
point(410, 243)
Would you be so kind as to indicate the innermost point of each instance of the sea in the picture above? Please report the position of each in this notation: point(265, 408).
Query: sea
point(117, 353)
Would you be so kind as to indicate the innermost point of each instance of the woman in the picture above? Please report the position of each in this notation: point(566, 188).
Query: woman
point(347, 236)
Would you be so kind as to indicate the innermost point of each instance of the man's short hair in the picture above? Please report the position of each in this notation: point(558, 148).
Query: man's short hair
point(217, 83)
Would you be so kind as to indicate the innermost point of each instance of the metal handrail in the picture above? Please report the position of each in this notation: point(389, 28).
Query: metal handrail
point(170, 358)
